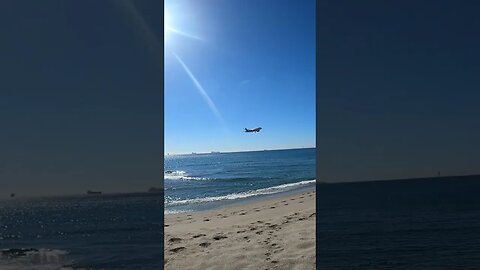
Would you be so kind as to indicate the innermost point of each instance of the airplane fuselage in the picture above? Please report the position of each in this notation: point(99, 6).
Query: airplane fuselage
point(253, 130)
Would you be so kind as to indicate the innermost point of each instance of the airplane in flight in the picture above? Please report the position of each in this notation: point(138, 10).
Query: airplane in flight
point(253, 130)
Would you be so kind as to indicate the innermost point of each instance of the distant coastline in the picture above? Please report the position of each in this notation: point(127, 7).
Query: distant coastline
point(232, 152)
point(399, 179)
point(149, 191)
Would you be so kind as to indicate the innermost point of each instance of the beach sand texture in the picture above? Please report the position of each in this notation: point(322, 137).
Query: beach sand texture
point(276, 233)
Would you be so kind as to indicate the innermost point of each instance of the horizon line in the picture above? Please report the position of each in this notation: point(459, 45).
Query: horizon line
point(395, 179)
point(59, 195)
point(238, 151)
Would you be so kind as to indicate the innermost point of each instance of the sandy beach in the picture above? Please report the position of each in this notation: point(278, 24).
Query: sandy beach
point(274, 233)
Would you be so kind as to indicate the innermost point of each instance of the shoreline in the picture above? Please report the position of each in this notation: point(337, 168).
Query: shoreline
point(224, 203)
point(267, 233)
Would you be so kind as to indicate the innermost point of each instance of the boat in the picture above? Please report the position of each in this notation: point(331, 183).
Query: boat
point(89, 192)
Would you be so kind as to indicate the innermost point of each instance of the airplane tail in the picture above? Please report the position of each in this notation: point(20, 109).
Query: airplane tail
point(246, 129)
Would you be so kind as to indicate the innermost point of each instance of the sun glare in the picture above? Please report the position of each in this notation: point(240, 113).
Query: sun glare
point(169, 30)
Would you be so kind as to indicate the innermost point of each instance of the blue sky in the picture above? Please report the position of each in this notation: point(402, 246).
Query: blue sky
point(398, 89)
point(80, 101)
point(255, 62)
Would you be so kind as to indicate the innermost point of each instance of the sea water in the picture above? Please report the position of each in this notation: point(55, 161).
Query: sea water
point(431, 223)
point(204, 181)
point(82, 232)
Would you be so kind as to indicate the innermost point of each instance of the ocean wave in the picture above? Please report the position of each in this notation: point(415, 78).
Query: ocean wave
point(180, 175)
point(34, 259)
point(174, 174)
point(169, 212)
point(242, 195)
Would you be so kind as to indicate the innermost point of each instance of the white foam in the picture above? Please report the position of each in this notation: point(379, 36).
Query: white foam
point(173, 175)
point(242, 195)
point(170, 212)
point(181, 175)
point(43, 259)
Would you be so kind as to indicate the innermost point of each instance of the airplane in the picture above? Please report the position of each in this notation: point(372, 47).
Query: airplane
point(253, 130)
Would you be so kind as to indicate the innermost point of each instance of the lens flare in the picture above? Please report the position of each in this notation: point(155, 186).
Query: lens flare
point(200, 88)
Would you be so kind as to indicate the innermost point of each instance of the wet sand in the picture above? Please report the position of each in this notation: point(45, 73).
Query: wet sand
point(276, 233)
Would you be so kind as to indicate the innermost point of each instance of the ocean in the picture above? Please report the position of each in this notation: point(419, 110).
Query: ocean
point(431, 223)
point(82, 232)
point(205, 181)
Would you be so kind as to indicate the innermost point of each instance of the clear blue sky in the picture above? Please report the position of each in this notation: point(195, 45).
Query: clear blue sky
point(399, 89)
point(80, 98)
point(256, 63)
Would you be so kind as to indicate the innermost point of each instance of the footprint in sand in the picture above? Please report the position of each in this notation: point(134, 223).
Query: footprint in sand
point(206, 219)
point(199, 235)
point(177, 249)
point(292, 199)
point(175, 240)
point(219, 236)
point(271, 207)
point(204, 244)
point(258, 210)
point(286, 204)
point(242, 214)
point(242, 231)
point(300, 202)
point(166, 225)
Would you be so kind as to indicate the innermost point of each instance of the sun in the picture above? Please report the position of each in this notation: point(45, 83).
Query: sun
point(170, 31)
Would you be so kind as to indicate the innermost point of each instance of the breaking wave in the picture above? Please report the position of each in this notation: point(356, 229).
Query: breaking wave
point(33, 259)
point(180, 175)
point(242, 195)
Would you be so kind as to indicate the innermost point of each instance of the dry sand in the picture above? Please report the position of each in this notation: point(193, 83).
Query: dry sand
point(271, 234)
